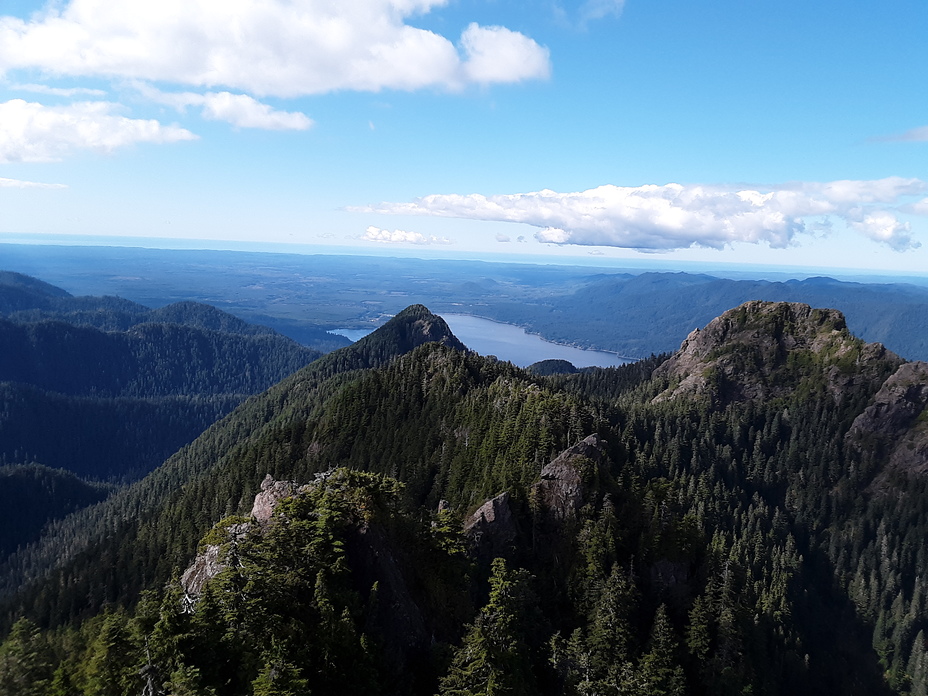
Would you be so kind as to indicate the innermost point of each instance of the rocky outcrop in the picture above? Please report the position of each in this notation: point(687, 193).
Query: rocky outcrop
point(901, 399)
point(204, 568)
point(568, 481)
point(895, 424)
point(209, 562)
point(762, 350)
point(214, 558)
point(492, 528)
point(271, 493)
point(571, 480)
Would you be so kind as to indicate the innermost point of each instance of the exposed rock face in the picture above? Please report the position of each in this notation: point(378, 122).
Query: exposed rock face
point(272, 492)
point(416, 325)
point(492, 528)
point(566, 482)
point(895, 424)
point(895, 407)
point(762, 350)
point(204, 568)
point(208, 564)
point(212, 560)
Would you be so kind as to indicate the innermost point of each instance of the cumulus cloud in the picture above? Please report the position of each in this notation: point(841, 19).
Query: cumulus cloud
point(500, 237)
point(240, 110)
point(32, 132)
point(496, 54)
point(674, 216)
point(265, 47)
point(375, 234)
point(16, 183)
point(883, 226)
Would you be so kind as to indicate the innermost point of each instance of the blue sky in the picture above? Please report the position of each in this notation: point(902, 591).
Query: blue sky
point(793, 133)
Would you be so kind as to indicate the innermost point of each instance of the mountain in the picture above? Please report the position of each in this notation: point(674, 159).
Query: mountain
point(158, 520)
point(403, 516)
point(105, 389)
point(120, 402)
point(19, 291)
point(51, 494)
point(24, 300)
point(653, 312)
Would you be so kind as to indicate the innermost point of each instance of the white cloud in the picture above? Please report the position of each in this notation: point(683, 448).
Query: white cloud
point(32, 132)
point(883, 226)
point(674, 216)
point(60, 91)
point(914, 135)
point(16, 183)
point(240, 110)
point(496, 54)
point(589, 11)
point(919, 207)
point(599, 9)
point(265, 47)
point(500, 237)
point(375, 234)
point(245, 112)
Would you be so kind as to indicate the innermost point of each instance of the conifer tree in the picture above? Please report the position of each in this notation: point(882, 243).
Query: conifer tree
point(659, 669)
point(25, 662)
point(494, 659)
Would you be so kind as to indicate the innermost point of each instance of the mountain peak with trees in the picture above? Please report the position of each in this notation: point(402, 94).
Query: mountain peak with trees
point(433, 521)
point(763, 350)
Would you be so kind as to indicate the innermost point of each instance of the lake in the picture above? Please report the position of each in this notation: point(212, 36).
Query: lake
point(508, 342)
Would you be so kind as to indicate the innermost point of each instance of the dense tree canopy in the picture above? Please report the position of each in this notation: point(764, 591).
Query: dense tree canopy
point(708, 541)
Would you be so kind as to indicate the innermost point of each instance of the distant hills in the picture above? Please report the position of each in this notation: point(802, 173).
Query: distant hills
point(106, 389)
point(632, 313)
point(404, 516)
point(653, 312)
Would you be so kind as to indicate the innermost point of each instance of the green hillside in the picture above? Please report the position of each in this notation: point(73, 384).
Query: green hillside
point(743, 517)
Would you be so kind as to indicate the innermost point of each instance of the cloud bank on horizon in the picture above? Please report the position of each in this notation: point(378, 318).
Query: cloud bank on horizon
point(674, 216)
point(376, 234)
point(18, 183)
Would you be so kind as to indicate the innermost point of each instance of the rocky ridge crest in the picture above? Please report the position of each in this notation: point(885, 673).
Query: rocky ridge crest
point(895, 424)
point(762, 350)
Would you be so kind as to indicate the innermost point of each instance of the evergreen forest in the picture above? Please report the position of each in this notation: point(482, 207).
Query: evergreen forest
point(98, 391)
point(402, 516)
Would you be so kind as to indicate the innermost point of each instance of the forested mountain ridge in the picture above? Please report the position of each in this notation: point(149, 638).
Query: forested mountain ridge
point(122, 401)
point(653, 312)
point(26, 300)
point(107, 389)
point(148, 360)
point(731, 524)
point(192, 489)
